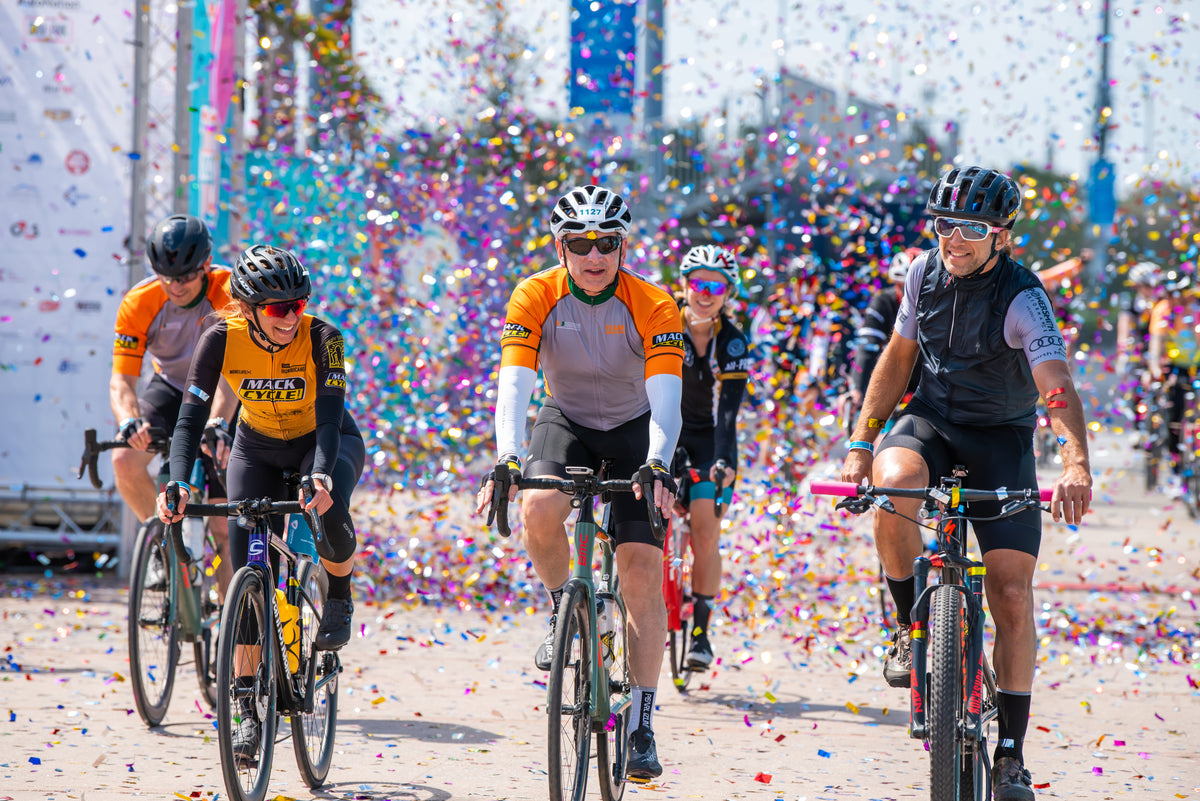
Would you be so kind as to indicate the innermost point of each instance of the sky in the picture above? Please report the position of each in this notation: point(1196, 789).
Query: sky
point(1020, 76)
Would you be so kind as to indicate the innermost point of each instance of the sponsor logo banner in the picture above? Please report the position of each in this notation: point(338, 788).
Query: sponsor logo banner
point(673, 339)
point(126, 342)
point(274, 390)
point(515, 331)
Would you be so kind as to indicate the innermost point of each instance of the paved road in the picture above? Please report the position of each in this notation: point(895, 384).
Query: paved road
point(444, 705)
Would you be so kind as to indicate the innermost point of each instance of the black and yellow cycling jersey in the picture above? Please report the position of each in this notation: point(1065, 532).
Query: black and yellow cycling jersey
point(278, 390)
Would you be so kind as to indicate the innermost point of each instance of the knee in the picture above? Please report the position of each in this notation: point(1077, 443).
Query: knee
point(125, 462)
point(1010, 602)
point(541, 516)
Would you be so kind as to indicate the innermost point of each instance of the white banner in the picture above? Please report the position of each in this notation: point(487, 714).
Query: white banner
point(66, 103)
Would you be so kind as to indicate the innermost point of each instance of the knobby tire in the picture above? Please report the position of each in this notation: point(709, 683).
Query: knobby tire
point(945, 694)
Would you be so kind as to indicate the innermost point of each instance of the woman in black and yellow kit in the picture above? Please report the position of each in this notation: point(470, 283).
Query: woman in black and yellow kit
point(288, 370)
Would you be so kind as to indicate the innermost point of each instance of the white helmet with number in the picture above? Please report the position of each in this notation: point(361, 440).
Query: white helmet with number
point(590, 208)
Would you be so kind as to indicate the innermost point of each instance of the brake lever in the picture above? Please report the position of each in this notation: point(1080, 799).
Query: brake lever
point(857, 505)
point(91, 451)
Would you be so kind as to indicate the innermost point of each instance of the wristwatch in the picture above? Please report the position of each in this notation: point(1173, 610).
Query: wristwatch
point(326, 480)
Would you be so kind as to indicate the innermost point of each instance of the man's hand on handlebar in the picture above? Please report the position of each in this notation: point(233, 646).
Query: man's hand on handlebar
point(506, 472)
point(721, 473)
point(172, 501)
point(664, 486)
point(136, 432)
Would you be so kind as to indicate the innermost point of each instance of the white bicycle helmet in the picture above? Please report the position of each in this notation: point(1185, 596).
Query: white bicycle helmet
point(1145, 273)
point(711, 257)
point(590, 208)
point(898, 269)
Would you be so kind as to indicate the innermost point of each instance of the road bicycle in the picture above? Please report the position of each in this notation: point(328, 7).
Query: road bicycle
point(267, 638)
point(677, 572)
point(953, 694)
point(1154, 416)
point(589, 689)
point(172, 597)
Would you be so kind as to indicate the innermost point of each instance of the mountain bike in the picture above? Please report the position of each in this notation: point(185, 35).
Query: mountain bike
point(589, 690)
point(953, 695)
point(267, 638)
point(677, 572)
point(172, 598)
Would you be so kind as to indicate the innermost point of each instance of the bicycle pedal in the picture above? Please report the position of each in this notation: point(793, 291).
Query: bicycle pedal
point(643, 780)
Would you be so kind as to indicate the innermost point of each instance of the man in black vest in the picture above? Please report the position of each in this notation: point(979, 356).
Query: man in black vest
point(990, 346)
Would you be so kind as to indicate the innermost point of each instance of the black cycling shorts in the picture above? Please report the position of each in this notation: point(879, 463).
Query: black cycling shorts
point(699, 446)
point(159, 403)
point(556, 443)
point(1000, 456)
point(256, 470)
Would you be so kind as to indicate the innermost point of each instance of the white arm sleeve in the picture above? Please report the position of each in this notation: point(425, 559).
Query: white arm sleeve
point(665, 393)
point(514, 390)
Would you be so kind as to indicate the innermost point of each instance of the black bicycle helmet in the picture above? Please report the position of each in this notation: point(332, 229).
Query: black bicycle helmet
point(590, 208)
point(266, 274)
point(975, 193)
point(179, 244)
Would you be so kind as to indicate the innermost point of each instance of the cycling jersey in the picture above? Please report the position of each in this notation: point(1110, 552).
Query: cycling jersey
point(147, 321)
point(596, 351)
point(714, 384)
point(980, 338)
point(278, 391)
point(1177, 320)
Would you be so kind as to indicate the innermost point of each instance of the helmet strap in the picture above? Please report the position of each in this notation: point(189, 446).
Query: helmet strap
point(265, 342)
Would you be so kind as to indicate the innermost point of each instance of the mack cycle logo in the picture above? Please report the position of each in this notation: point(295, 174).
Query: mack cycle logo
point(336, 380)
point(673, 339)
point(272, 390)
point(515, 331)
point(126, 341)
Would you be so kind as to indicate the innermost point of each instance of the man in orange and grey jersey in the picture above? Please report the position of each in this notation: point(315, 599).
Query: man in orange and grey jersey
point(164, 315)
point(1174, 350)
point(610, 344)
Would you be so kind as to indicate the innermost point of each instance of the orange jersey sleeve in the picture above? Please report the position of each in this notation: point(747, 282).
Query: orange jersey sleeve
point(659, 325)
point(528, 308)
point(137, 311)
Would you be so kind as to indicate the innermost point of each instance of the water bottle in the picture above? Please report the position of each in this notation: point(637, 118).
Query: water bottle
point(289, 619)
point(193, 537)
point(604, 625)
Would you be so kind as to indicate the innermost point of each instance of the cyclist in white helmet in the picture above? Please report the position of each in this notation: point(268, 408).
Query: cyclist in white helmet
point(610, 346)
point(716, 365)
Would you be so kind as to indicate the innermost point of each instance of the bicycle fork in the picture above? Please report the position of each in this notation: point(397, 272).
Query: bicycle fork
point(971, 724)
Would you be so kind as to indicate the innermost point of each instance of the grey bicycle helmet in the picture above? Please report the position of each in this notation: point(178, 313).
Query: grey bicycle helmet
point(178, 245)
point(1144, 273)
point(711, 257)
point(266, 274)
point(590, 208)
point(976, 193)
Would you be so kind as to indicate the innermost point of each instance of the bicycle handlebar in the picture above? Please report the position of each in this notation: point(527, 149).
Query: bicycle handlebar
point(159, 443)
point(844, 489)
point(246, 511)
point(584, 485)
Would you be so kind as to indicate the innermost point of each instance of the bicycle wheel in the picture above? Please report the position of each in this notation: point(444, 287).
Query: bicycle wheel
point(1156, 439)
point(205, 648)
point(246, 612)
point(570, 724)
point(313, 732)
point(945, 693)
point(153, 637)
point(610, 739)
point(674, 587)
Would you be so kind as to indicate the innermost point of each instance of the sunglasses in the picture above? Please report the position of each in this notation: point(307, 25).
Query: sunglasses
point(708, 287)
point(970, 230)
point(186, 278)
point(284, 308)
point(604, 244)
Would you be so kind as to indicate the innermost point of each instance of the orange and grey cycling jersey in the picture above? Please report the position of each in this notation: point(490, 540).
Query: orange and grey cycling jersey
point(278, 391)
point(596, 354)
point(148, 322)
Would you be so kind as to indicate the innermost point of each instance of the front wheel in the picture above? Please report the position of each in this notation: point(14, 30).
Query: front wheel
point(679, 608)
point(313, 732)
point(945, 693)
point(570, 691)
point(611, 743)
point(246, 678)
point(153, 637)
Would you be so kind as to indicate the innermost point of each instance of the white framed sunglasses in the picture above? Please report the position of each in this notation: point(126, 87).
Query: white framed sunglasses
point(970, 230)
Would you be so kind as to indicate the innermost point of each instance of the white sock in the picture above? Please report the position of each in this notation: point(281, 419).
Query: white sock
point(641, 710)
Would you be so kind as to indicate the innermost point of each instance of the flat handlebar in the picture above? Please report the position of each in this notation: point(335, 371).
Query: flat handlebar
point(844, 489)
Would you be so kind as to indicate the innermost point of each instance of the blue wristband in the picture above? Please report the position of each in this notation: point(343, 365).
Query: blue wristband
point(861, 445)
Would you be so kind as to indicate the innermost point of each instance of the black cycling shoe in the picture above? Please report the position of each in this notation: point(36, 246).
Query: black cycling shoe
point(247, 732)
point(335, 625)
point(700, 654)
point(897, 665)
point(643, 764)
point(1011, 781)
point(543, 657)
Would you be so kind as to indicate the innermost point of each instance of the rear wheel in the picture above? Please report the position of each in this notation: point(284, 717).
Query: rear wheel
point(246, 678)
point(153, 637)
point(205, 648)
point(945, 693)
point(313, 732)
point(679, 610)
point(611, 744)
point(569, 691)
